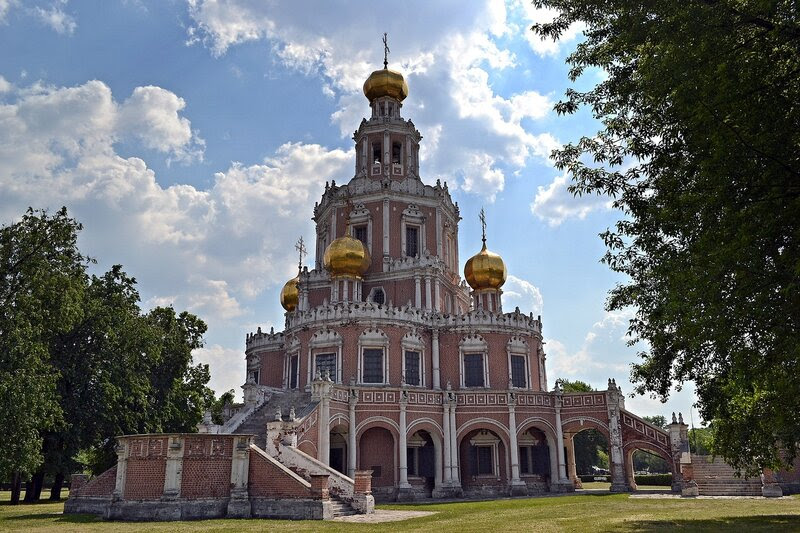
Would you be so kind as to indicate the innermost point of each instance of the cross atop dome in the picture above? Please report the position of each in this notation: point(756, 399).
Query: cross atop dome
point(385, 51)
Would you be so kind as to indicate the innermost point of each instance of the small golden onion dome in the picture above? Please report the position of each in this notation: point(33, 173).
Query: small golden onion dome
point(485, 270)
point(290, 294)
point(346, 256)
point(385, 82)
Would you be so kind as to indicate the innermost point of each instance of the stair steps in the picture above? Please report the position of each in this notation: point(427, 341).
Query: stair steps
point(341, 508)
point(718, 479)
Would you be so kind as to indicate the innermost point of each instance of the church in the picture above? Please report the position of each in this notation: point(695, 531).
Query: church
point(391, 362)
point(393, 379)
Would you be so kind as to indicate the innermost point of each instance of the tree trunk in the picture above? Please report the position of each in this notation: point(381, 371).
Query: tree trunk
point(33, 488)
point(16, 488)
point(58, 483)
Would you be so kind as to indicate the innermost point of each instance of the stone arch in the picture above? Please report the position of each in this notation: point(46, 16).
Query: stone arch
point(483, 458)
point(338, 444)
point(338, 419)
point(437, 437)
point(631, 447)
point(571, 428)
point(373, 441)
point(550, 433)
point(380, 421)
point(308, 446)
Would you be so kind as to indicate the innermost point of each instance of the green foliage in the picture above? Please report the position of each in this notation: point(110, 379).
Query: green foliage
point(700, 150)
point(644, 461)
point(659, 421)
point(79, 362)
point(664, 480)
point(701, 441)
point(573, 386)
point(218, 406)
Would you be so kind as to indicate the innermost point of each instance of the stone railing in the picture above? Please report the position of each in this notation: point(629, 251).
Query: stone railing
point(356, 311)
point(339, 484)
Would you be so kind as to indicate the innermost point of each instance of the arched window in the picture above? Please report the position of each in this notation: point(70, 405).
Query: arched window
point(397, 150)
point(376, 153)
point(379, 297)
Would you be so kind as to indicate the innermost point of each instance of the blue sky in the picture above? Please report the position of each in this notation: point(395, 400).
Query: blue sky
point(193, 138)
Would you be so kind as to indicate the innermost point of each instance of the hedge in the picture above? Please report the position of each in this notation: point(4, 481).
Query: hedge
point(654, 479)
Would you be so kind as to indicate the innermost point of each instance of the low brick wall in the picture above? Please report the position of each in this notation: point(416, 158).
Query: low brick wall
point(198, 476)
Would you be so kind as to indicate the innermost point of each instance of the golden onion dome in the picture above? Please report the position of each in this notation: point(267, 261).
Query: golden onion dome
point(346, 256)
point(290, 294)
point(385, 82)
point(485, 270)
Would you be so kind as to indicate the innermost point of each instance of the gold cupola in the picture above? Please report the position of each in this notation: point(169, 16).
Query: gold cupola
point(290, 294)
point(346, 257)
point(385, 82)
point(485, 270)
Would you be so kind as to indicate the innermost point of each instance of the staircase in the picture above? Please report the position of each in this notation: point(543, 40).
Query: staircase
point(256, 423)
point(341, 508)
point(717, 478)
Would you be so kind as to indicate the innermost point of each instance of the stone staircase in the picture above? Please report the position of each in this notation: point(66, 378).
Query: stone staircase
point(341, 508)
point(256, 423)
point(717, 478)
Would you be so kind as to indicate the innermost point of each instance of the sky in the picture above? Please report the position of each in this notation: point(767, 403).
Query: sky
point(192, 138)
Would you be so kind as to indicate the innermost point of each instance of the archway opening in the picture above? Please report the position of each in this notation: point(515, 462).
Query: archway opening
point(338, 453)
point(376, 449)
point(647, 469)
point(535, 468)
point(421, 461)
point(588, 463)
point(483, 460)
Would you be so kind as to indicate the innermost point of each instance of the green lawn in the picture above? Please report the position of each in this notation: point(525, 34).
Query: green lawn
point(587, 512)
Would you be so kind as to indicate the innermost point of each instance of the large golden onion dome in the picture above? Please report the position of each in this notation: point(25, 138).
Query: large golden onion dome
point(485, 270)
point(290, 294)
point(385, 82)
point(346, 256)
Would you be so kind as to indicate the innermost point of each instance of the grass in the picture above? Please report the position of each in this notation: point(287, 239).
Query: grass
point(587, 512)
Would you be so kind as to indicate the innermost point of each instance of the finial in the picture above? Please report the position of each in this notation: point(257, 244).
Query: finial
point(301, 251)
point(482, 218)
point(385, 51)
point(674, 420)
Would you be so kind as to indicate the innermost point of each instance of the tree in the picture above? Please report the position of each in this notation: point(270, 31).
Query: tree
point(659, 421)
point(700, 150)
point(573, 386)
point(79, 362)
point(42, 277)
point(589, 444)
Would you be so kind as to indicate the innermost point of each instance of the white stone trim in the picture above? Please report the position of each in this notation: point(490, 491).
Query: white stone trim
point(325, 341)
point(471, 344)
point(519, 346)
point(373, 338)
point(413, 341)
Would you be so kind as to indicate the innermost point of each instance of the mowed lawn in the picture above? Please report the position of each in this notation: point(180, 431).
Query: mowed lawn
point(583, 512)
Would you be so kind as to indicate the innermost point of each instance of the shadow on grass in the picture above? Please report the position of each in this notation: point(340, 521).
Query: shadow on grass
point(56, 517)
point(733, 523)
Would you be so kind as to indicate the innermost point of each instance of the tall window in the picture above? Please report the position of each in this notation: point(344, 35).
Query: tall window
point(412, 373)
point(396, 151)
point(412, 241)
point(376, 153)
point(373, 365)
point(326, 363)
point(518, 377)
point(379, 297)
point(294, 362)
point(483, 461)
point(473, 370)
point(360, 233)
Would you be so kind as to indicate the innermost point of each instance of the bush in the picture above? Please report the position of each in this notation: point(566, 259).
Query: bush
point(654, 479)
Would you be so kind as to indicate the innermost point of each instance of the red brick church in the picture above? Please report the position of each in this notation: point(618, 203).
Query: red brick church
point(391, 369)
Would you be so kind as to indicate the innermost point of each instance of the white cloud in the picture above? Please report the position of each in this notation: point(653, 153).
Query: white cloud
point(554, 203)
point(523, 294)
point(56, 18)
point(227, 367)
point(5, 85)
point(449, 53)
point(210, 251)
point(533, 15)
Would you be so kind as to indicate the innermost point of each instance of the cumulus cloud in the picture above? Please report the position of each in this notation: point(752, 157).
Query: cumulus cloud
point(481, 134)
point(554, 203)
point(210, 251)
point(227, 366)
point(55, 17)
point(523, 294)
point(534, 15)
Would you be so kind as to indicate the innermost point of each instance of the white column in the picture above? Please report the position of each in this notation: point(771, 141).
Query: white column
point(122, 469)
point(351, 437)
point(345, 292)
point(437, 294)
point(512, 439)
point(428, 297)
point(174, 468)
point(562, 466)
point(435, 358)
point(403, 448)
point(417, 292)
point(446, 442)
point(453, 445)
point(323, 425)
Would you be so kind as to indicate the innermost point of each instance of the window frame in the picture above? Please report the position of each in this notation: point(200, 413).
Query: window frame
point(413, 342)
point(474, 344)
point(325, 341)
point(373, 339)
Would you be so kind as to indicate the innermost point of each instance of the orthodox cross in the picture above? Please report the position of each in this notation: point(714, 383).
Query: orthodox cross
point(385, 52)
point(482, 218)
point(301, 251)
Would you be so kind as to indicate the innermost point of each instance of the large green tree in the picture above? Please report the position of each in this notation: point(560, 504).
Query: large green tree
point(80, 361)
point(699, 147)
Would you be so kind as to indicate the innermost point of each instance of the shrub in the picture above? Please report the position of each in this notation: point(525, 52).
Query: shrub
point(654, 479)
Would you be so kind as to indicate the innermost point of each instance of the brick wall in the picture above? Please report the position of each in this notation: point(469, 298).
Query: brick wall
point(376, 448)
point(206, 467)
point(144, 479)
point(102, 485)
point(267, 480)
